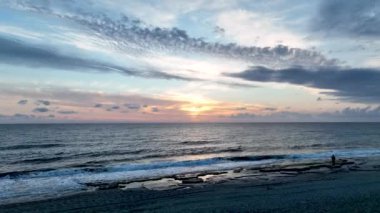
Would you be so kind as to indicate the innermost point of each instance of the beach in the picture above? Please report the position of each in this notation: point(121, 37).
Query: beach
point(350, 186)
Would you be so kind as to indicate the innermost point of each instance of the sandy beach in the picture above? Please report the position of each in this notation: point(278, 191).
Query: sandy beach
point(350, 186)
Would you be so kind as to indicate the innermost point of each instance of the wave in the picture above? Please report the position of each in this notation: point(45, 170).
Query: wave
point(231, 160)
point(50, 182)
point(110, 153)
point(312, 146)
point(157, 155)
point(88, 168)
point(14, 174)
point(196, 151)
point(31, 146)
point(39, 160)
point(198, 142)
point(256, 158)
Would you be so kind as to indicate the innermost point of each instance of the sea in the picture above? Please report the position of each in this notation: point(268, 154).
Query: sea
point(49, 160)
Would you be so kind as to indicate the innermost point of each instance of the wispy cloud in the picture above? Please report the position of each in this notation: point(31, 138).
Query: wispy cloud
point(133, 35)
point(20, 53)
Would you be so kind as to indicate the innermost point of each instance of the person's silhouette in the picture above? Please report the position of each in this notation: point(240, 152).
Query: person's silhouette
point(333, 160)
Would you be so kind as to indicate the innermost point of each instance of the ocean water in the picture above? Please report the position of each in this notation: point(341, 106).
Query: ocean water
point(41, 160)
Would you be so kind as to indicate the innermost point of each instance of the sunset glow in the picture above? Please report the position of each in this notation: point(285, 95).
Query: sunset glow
point(187, 61)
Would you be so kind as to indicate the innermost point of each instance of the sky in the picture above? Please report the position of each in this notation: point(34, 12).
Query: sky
point(189, 61)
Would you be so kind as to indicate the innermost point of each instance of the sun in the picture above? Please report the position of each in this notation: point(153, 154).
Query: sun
point(196, 109)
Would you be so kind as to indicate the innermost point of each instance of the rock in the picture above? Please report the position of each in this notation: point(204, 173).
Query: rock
point(185, 176)
point(305, 166)
point(238, 170)
point(104, 186)
point(192, 180)
point(109, 186)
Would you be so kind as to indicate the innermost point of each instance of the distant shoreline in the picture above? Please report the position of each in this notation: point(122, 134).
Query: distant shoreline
point(154, 123)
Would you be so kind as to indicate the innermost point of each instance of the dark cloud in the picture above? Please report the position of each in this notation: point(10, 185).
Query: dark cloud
point(98, 105)
point(365, 112)
point(22, 102)
point(43, 102)
point(20, 53)
point(349, 17)
point(68, 112)
point(274, 117)
point(242, 116)
point(41, 109)
point(19, 115)
point(361, 84)
point(219, 30)
point(113, 108)
point(270, 109)
point(155, 109)
point(133, 106)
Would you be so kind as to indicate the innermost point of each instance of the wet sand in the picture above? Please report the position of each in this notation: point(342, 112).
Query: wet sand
point(351, 186)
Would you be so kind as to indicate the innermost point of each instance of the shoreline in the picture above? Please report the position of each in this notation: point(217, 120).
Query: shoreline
point(218, 183)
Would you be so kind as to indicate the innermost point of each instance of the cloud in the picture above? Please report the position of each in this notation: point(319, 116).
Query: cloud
point(19, 115)
point(24, 118)
point(348, 114)
point(366, 112)
point(43, 102)
point(20, 53)
point(155, 109)
point(163, 14)
point(354, 84)
point(112, 108)
point(41, 109)
point(270, 109)
point(219, 31)
point(22, 102)
point(67, 112)
point(134, 36)
point(349, 17)
point(242, 116)
point(70, 97)
point(251, 28)
point(133, 106)
point(125, 34)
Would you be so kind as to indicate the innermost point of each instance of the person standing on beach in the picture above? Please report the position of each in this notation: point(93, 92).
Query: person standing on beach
point(333, 160)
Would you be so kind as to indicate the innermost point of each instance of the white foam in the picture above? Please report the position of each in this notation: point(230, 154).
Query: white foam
point(54, 183)
point(37, 185)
